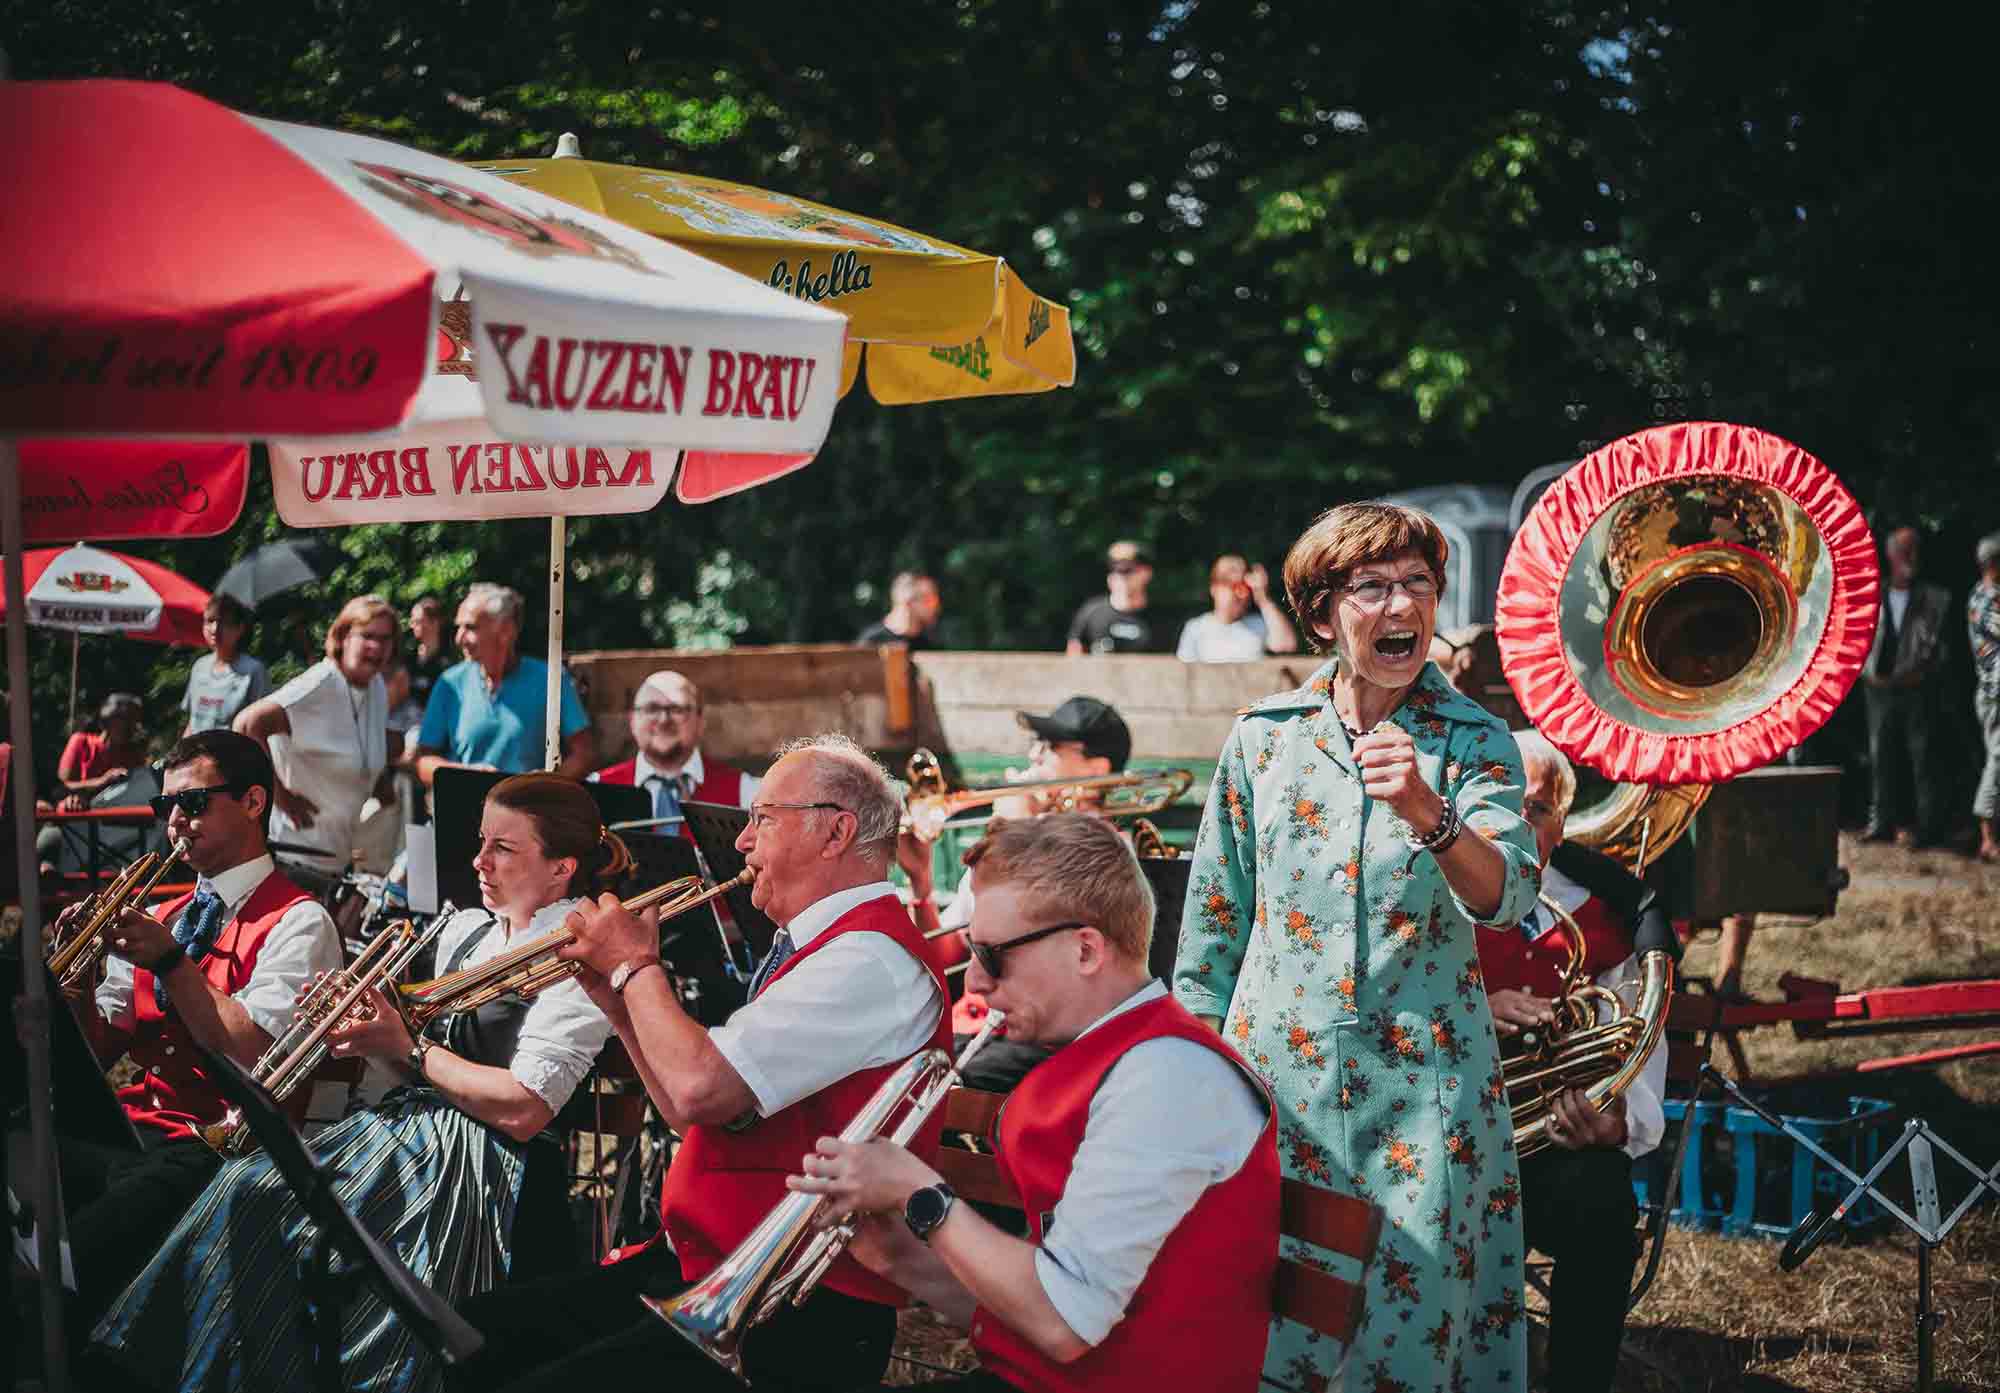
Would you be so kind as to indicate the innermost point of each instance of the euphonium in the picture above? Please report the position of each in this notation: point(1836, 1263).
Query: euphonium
point(1596, 1043)
point(335, 998)
point(534, 966)
point(1135, 793)
point(78, 957)
point(784, 1257)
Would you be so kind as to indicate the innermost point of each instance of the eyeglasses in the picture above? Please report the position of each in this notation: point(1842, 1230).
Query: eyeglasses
point(1373, 594)
point(653, 711)
point(760, 813)
point(987, 955)
point(1040, 746)
point(193, 801)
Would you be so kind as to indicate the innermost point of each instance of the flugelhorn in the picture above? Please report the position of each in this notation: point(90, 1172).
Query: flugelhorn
point(784, 1257)
point(1596, 1043)
point(333, 999)
point(534, 966)
point(77, 958)
point(932, 802)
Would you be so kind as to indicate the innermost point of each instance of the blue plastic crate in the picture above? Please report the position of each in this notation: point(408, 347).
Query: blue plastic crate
point(1740, 1175)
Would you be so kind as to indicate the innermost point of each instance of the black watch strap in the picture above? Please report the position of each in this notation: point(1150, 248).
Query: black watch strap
point(168, 961)
point(927, 1209)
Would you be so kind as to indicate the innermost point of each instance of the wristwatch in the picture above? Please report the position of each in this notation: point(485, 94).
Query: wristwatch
point(927, 1208)
point(414, 1060)
point(625, 972)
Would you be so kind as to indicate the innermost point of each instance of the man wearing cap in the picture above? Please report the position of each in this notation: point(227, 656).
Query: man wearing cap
point(1982, 625)
point(1081, 739)
point(667, 725)
point(1116, 622)
point(1900, 680)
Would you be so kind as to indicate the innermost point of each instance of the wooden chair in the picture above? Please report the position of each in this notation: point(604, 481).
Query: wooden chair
point(1301, 1292)
point(610, 1107)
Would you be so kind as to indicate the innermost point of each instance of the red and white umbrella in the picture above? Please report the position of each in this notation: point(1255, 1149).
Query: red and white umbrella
point(176, 270)
point(88, 591)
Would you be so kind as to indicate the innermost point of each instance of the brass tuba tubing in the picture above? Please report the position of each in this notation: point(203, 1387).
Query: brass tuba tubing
point(76, 960)
point(534, 967)
point(1135, 793)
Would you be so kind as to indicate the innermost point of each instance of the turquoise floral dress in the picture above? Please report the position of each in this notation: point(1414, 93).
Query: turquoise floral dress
point(1344, 968)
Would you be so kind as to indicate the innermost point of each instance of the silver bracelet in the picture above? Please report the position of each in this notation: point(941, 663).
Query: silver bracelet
point(1442, 835)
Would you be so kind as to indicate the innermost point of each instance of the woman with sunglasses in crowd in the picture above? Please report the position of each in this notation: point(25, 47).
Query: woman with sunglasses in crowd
point(452, 1169)
point(1358, 831)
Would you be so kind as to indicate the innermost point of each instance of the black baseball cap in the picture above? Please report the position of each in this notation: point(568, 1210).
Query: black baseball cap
point(1099, 728)
point(1127, 555)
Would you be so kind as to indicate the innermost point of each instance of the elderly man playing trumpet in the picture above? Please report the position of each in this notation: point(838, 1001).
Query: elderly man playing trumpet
point(1144, 1150)
point(843, 997)
point(1576, 1196)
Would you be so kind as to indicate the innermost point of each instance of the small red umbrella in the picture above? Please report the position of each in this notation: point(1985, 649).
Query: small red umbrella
point(90, 591)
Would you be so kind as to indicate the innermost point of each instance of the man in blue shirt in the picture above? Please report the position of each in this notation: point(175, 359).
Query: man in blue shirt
point(490, 711)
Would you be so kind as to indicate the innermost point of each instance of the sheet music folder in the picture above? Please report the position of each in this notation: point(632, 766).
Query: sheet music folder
point(716, 828)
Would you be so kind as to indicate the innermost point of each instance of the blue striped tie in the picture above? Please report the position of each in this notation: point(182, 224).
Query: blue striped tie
point(195, 932)
point(781, 949)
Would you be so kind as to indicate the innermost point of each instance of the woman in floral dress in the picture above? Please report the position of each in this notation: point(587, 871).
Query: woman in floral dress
point(1358, 830)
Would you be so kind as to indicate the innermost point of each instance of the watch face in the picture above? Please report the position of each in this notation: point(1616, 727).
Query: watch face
point(926, 1209)
point(619, 975)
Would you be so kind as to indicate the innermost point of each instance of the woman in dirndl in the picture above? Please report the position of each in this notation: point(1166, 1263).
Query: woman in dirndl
point(1358, 832)
point(453, 1169)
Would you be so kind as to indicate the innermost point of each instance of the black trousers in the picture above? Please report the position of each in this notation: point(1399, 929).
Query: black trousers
point(1901, 723)
point(1577, 1207)
point(586, 1329)
point(120, 1206)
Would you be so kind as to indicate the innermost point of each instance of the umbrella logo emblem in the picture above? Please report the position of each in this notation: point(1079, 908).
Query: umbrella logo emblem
point(845, 276)
point(93, 583)
point(1038, 322)
point(454, 203)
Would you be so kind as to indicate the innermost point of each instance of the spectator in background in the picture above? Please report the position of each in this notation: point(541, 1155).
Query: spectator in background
point(1233, 631)
point(429, 654)
point(327, 733)
point(1117, 622)
point(1982, 623)
point(103, 752)
point(1900, 679)
point(914, 606)
point(667, 725)
point(491, 711)
point(406, 713)
point(228, 679)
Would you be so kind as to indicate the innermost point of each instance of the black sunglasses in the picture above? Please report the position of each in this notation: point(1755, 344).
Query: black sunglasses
point(987, 955)
point(194, 801)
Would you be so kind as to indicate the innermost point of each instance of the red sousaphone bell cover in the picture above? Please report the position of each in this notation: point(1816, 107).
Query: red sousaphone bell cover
point(1527, 623)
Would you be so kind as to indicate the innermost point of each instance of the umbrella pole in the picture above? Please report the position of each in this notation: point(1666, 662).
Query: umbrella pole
point(557, 565)
point(34, 981)
point(75, 642)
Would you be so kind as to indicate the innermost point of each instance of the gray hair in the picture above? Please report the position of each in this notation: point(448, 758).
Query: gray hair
point(500, 601)
point(848, 775)
point(1537, 751)
point(1988, 550)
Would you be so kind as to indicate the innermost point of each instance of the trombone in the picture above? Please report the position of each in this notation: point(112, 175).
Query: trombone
point(76, 959)
point(932, 802)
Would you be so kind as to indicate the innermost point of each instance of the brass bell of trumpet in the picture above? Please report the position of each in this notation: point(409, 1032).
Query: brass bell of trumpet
point(932, 802)
point(73, 962)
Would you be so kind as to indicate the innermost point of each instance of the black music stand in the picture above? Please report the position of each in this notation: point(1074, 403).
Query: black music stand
point(459, 796)
point(433, 1321)
point(716, 828)
point(1169, 879)
point(86, 1107)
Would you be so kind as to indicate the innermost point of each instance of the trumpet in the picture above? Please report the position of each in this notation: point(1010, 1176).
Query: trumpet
point(534, 967)
point(1600, 1055)
point(787, 1254)
point(75, 960)
point(335, 998)
point(933, 802)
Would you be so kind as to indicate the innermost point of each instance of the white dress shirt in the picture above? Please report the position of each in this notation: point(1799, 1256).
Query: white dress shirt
point(1170, 1119)
point(858, 1002)
point(563, 1029)
point(300, 945)
point(1645, 1107)
point(337, 748)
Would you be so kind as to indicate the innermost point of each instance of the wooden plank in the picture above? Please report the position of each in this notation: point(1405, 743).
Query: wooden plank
point(972, 1110)
point(1329, 1304)
point(1328, 1219)
point(732, 674)
point(975, 1177)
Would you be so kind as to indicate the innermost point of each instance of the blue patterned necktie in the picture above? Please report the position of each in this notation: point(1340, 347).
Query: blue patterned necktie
point(666, 795)
point(781, 949)
point(195, 932)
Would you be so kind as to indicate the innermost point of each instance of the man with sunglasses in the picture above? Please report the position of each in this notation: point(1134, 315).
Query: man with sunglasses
point(667, 726)
point(224, 966)
point(844, 996)
point(1144, 1150)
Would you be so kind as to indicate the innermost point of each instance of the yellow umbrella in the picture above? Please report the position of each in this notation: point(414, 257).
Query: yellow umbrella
point(937, 321)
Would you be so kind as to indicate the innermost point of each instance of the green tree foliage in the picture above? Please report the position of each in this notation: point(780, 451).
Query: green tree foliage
point(1312, 252)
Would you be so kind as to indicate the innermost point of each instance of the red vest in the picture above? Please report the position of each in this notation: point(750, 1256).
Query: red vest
point(173, 1094)
point(723, 1183)
point(720, 783)
point(1511, 960)
point(1202, 1315)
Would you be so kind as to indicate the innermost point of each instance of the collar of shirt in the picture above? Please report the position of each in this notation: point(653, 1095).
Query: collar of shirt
point(1152, 991)
point(236, 884)
point(547, 919)
point(817, 917)
point(1567, 894)
point(690, 776)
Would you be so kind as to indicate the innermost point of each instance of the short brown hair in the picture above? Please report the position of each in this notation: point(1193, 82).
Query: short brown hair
point(1072, 866)
point(1227, 562)
point(362, 609)
point(567, 823)
point(1351, 535)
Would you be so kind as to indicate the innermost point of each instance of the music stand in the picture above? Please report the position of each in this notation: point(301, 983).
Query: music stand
point(428, 1316)
point(716, 828)
point(459, 796)
point(86, 1107)
point(1169, 879)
